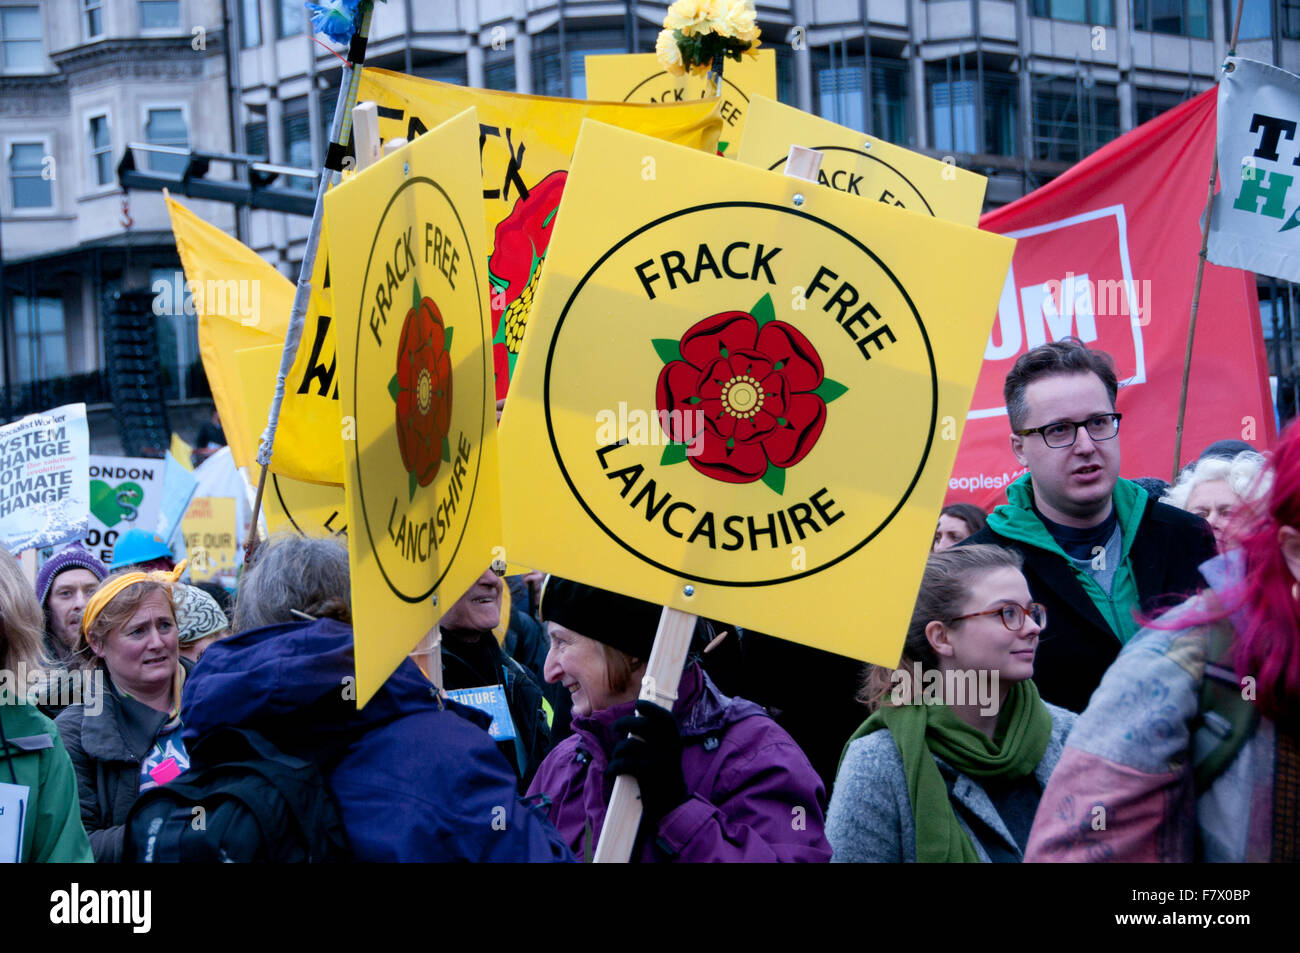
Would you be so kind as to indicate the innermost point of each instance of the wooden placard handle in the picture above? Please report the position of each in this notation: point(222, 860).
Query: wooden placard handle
point(663, 673)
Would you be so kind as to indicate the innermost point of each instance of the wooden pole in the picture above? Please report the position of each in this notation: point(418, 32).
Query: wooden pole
point(663, 673)
point(1200, 272)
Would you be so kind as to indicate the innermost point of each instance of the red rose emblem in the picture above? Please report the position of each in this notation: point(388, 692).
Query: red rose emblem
point(423, 392)
point(518, 246)
point(756, 384)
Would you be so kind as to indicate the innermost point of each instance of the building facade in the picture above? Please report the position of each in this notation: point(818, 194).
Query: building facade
point(1017, 90)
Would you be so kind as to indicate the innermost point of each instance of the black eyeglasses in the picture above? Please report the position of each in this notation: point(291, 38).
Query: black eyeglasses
point(1063, 433)
point(1013, 616)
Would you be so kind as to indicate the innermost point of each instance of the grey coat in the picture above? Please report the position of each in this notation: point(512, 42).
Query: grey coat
point(870, 817)
point(106, 751)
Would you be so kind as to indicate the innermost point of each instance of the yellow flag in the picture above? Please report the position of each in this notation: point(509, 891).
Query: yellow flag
point(735, 393)
point(242, 302)
point(233, 291)
point(415, 374)
point(862, 165)
point(524, 145)
point(641, 78)
point(182, 451)
point(310, 509)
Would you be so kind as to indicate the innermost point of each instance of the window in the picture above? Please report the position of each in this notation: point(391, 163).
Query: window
point(1289, 14)
point(101, 152)
point(41, 351)
point(966, 118)
point(295, 124)
point(549, 74)
point(250, 24)
point(1149, 103)
point(838, 91)
point(289, 16)
point(1072, 117)
point(166, 127)
point(29, 177)
point(1176, 17)
point(952, 112)
point(499, 72)
point(255, 138)
point(1095, 12)
point(20, 40)
point(94, 17)
point(160, 14)
point(1256, 18)
point(178, 338)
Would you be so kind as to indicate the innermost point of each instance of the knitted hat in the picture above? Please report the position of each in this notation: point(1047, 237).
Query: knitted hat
point(74, 556)
point(197, 614)
point(619, 621)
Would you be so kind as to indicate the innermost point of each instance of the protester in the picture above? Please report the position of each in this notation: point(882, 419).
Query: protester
point(719, 780)
point(1214, 488)
point(134, 744)
point(472, 658)
point(416, 778)
point(527, 643)
point(63, 587)
point(32, 754)
point(1190, 748)
point(953, 761)
point(957, 521)
point(199, 620)
point(1096, 547)
point(142, 550)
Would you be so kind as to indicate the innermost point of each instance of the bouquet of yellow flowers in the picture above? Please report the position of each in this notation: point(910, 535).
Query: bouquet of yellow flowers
point(697, 34)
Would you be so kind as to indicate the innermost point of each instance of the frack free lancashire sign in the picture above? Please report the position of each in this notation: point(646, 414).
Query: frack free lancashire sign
point(741, 393)
point(406, 240)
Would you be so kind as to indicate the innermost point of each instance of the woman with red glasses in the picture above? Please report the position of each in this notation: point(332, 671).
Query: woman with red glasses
point(952, 763)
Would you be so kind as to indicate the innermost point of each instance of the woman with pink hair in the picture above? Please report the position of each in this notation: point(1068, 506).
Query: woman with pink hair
point(1190, 747)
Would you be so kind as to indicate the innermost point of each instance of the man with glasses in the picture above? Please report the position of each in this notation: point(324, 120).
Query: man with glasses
point(1096, 547)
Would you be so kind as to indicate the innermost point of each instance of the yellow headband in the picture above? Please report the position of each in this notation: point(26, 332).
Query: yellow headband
point(108, 592)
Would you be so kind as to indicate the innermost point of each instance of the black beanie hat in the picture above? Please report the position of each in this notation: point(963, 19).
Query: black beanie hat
point(618, 621)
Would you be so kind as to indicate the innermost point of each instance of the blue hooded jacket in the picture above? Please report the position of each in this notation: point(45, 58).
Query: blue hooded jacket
point(418, 779)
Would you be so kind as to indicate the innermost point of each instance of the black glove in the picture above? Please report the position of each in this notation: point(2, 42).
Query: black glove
point(653, 757)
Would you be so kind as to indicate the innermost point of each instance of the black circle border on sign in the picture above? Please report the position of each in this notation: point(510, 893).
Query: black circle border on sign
point(665, 73)
point(865, 155)
point(478, 469)
point(550, 428)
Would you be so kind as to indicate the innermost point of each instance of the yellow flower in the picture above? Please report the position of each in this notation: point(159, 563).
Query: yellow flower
point(670, 56)
point(738, 21)
point(695, 16)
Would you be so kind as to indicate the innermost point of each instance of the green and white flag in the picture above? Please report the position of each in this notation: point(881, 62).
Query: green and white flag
point(1256, 222)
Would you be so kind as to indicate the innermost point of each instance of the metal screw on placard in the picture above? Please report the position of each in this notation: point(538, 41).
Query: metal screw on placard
point(690, 590)
point(406, 168)
point(798, 200)
point(866, 145)
point(435, 600)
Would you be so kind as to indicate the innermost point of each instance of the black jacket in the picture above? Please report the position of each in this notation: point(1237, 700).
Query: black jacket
point(1169, 546)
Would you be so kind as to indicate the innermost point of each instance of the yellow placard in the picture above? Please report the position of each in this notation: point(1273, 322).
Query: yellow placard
point(210, 541)
point(641, 78)
point(415, 365)
point(524, 144)
point(743, 404)
point(242, 302)
point(862, 165)
point(308, 509)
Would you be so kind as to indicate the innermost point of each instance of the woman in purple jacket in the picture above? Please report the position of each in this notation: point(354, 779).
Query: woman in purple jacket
point(719, 779)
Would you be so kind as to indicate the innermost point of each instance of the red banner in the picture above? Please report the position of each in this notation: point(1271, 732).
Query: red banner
point(1108, 252)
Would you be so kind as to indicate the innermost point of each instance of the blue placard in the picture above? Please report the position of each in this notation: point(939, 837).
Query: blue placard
point(490, 699)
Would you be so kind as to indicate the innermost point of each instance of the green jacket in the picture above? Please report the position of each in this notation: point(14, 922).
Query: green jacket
point(1017, 520)
point(34, 752)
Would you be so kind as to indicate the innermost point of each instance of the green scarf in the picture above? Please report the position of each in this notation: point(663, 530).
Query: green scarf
point(924, 732)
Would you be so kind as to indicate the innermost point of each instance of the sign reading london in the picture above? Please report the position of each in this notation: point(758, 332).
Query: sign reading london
point(736, 403)
point(416, 383)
